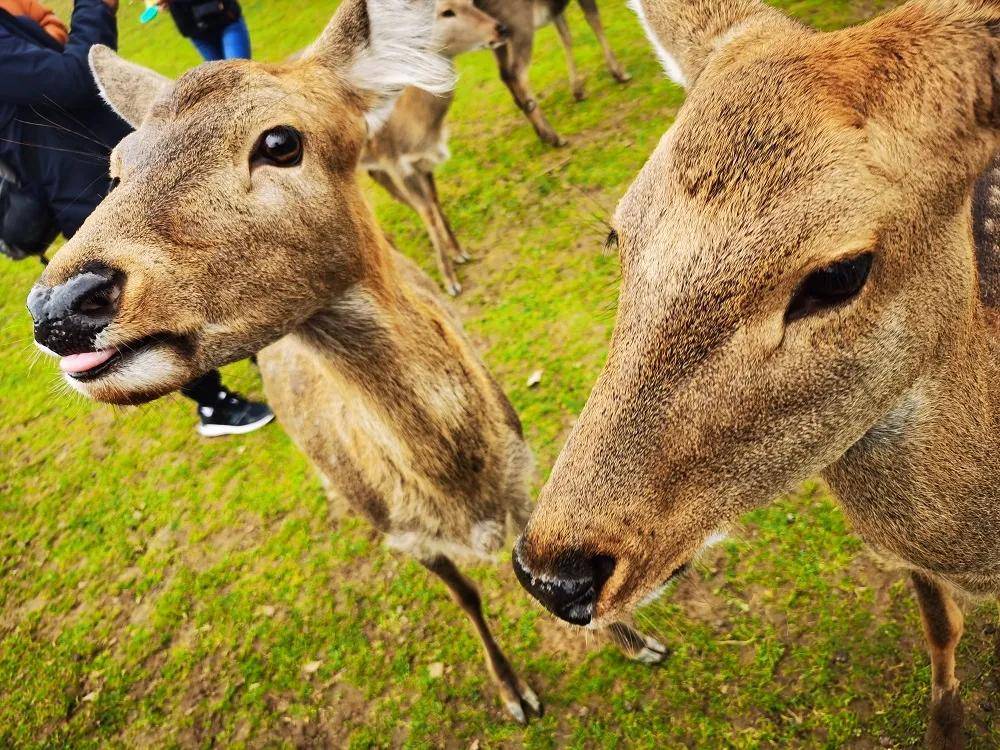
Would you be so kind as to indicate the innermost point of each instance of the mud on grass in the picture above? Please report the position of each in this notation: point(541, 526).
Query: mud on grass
point(161, 590)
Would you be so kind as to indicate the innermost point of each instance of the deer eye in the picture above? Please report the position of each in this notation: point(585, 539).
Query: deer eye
point(279, 147)
point(115, 182)
point(448, 13)
point(830, 286)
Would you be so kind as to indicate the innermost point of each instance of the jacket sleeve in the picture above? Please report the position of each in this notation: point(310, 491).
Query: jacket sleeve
point(34, 75)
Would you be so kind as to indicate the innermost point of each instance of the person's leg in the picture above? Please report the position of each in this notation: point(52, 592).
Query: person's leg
point(236, 40)
point(209, 47)
point(206, 390)
point(222, 412)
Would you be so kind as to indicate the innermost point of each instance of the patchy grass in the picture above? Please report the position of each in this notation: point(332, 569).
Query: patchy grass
point(157, 589)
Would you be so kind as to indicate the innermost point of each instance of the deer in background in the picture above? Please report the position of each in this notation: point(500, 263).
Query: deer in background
point(238, 226)
point(403, 153)
point(805, 289)
point(523, 18)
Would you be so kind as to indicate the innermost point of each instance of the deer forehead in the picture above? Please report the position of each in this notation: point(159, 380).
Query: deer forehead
point(220, 106)
point(746, 204)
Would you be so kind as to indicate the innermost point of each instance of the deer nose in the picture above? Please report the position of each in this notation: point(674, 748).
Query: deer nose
point(571, 589)
point(502, 31)
point(68, 317)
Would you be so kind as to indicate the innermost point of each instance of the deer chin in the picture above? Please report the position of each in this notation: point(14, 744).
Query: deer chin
point(618, 602)
point(608, 611)
point(128, 374)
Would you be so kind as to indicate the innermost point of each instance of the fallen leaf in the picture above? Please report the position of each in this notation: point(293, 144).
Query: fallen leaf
point(535, 378)
point(311, 667)
point(435, 670)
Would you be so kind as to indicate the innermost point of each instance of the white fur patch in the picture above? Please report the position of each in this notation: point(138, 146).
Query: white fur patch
point(669, 62)
point(401, 52)
point(424, 546)
point(147, 370)
point(45, 350)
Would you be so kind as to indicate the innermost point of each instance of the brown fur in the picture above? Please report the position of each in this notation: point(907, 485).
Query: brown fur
point(523, 18)
point(795, 150)
point(217, 256)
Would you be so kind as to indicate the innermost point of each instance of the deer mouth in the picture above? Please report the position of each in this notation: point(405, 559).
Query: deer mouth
point(660, 590)
point(87, 367)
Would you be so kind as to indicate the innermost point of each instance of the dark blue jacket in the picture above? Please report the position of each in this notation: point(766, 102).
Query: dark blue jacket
point(55, 130)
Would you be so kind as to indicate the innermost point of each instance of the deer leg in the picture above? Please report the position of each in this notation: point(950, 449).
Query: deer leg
point(517, 696)
point(409, 189)
point(458, 252)
point(942, 621)
point(635, 645)
point(430, 212)
point(593, 17)
point(514, 59)
point(383, 179)
point(575, 79)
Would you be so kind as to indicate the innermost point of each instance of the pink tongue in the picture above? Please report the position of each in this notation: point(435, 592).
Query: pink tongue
point(74, 364)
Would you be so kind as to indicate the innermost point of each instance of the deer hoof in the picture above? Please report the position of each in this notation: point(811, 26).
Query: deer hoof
point(652, 653)
point(579, 93)
point(622, 76)
point(453, 287)
point(463, 257)
point(945, 729)
point(521, 702)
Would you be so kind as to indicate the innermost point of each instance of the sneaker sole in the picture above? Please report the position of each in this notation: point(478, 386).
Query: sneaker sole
point(218, 430)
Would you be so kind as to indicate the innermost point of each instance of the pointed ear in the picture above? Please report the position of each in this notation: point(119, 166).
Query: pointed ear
point(130, 89)
point(685, 33)
point(379, 47)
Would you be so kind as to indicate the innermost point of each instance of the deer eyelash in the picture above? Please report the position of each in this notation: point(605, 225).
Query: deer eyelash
point(611, 242)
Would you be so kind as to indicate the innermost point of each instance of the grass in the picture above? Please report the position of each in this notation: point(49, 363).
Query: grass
point(157, 589)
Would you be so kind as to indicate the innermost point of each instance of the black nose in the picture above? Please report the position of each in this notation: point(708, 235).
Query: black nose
point(69, 317)
point(503, 31)
point(571, 589)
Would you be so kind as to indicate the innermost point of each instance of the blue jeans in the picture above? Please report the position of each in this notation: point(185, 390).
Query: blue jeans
point(227, 43)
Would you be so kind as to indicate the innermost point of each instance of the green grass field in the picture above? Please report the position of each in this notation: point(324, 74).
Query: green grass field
point(157, 589)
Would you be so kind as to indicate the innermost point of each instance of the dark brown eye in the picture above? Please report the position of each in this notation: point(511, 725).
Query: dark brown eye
point(448, 13)
point(279, 147)
point(830, 286)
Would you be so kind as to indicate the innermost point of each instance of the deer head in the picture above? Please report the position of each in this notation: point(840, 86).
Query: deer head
point(236, 213)
point(796, 260)
point(462, 27)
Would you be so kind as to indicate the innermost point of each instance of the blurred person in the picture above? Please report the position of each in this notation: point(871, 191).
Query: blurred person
point(216, 28)
point(56, 135)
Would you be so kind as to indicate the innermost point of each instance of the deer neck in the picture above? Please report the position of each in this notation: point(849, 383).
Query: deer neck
point(921, 485)
point(388, 340)
point(427, 108)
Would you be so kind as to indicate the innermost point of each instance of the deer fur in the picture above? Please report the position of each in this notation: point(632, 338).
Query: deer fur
point(404, 152)
point(207, 252)
point(522, 18)
point(796, 150)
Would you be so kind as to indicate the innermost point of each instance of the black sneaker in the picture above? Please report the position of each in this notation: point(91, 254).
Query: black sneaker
point(232, 415)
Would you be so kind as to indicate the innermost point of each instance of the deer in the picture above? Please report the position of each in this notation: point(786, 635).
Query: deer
point(237, 225)
point(810, 285)
point(404, 152)
point(523, 18)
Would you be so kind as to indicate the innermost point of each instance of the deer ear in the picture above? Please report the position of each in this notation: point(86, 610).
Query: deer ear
point(685, 34)
point(130, 89)
point(379, 47)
